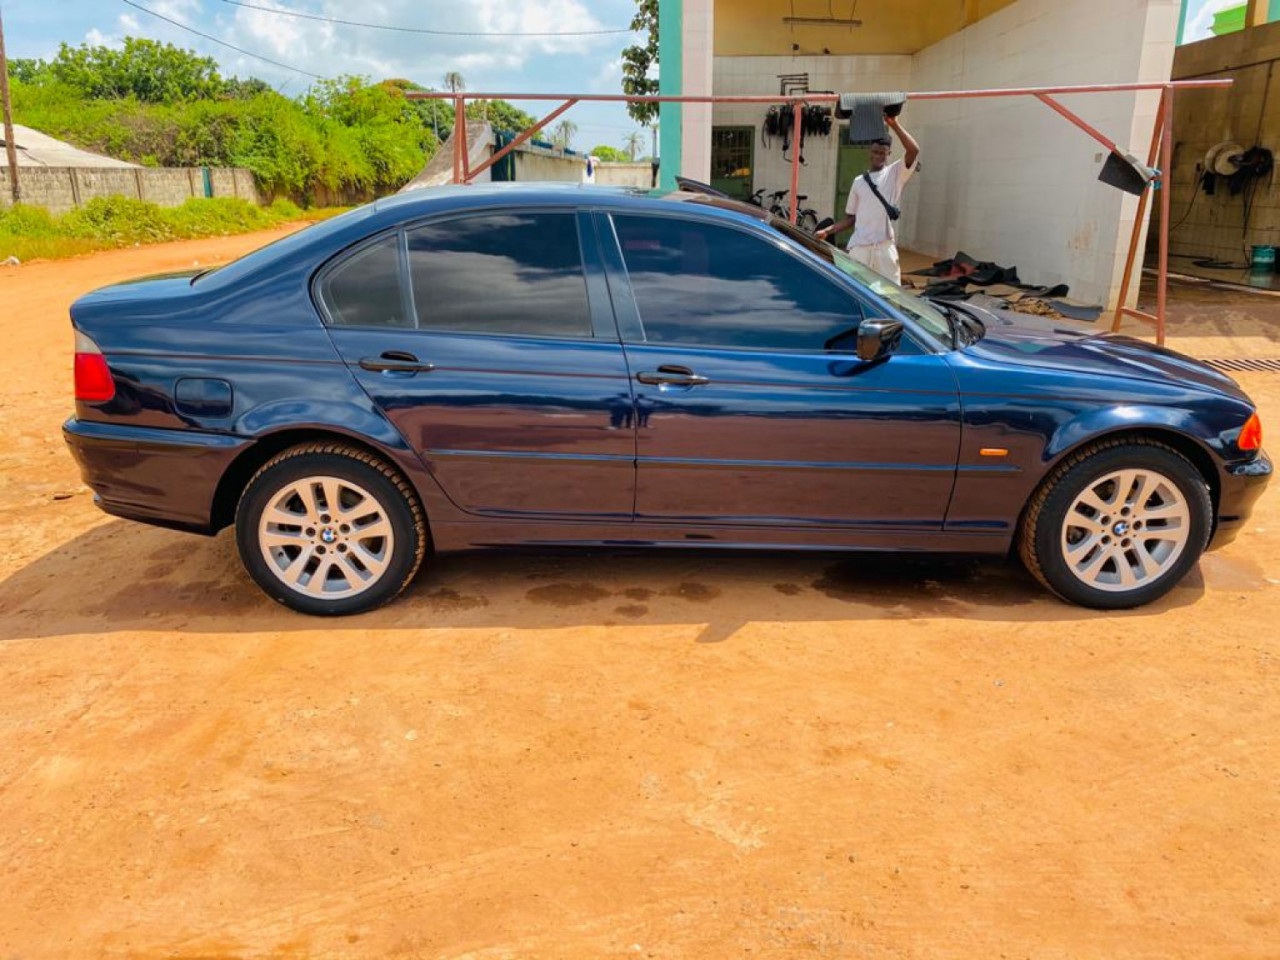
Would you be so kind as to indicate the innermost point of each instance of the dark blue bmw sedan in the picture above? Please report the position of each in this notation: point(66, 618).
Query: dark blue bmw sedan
point(555, 366)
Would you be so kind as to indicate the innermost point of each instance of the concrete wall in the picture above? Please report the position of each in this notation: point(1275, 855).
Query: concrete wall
point(536, 163)
point(749, 76)
point(61, 189)
point(1247, 113)
point(1011, 181)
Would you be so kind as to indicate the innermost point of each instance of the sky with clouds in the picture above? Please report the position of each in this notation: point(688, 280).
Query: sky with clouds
point(587, 63)
point(1200, 17)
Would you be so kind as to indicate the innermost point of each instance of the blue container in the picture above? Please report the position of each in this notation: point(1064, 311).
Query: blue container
point(1262, 257)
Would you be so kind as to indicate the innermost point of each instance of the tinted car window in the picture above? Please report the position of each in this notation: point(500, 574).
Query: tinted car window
point(364, 289)
point(509, 274)
point(705, 284)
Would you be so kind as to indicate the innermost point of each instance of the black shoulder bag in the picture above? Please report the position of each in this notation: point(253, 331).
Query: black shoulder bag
point(893, 212)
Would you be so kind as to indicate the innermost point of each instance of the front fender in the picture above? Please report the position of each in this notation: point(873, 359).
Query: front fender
point(1189, 426)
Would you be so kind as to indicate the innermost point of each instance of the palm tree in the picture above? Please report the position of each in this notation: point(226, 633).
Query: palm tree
point(564, 134)
point(633, 142)
point(454, 81)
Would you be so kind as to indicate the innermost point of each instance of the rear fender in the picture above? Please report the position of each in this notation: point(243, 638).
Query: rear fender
point(360, 421)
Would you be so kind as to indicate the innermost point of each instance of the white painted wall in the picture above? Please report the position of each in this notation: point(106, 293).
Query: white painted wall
point(1006, 180)
point(699, 31)
point(751, 76)
point(1011, 181)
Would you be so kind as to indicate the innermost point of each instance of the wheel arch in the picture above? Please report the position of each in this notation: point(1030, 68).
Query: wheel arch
point(1183, 443)
point(241, 470)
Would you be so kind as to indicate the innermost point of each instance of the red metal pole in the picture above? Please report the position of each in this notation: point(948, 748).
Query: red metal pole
point(832, 98)
point(1139, 218)
point(796, 126)
point(463, 145)
point(1166, 177)
point(527, 134)
point(459, 106)
point(1055, 105)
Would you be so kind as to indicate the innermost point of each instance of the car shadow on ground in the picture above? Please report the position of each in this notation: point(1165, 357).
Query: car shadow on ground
point(122, 576)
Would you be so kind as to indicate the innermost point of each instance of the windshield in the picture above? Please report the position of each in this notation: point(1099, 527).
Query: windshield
point(928, 317)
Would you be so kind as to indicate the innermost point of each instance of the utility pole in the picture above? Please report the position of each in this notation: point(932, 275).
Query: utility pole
point(9, 146)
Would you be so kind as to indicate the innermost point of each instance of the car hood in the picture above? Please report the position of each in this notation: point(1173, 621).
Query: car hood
point(1031, 340)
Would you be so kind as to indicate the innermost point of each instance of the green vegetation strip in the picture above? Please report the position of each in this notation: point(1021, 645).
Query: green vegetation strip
point(104, 223)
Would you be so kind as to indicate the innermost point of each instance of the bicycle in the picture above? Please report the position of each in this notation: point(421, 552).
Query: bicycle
point(806, 219)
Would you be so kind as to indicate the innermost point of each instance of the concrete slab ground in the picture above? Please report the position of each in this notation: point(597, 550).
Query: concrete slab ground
point(608, 756)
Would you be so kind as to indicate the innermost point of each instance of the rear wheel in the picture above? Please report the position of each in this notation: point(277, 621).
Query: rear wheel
point(329, 529)
point(807, 221)
point(1117, 525)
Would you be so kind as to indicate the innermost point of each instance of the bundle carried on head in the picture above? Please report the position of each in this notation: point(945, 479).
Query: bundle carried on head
point(866, 112)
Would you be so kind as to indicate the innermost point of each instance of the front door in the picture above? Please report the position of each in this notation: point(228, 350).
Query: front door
point(494, 352)
point(732, 156)
point(744, 415)
point(851, 162)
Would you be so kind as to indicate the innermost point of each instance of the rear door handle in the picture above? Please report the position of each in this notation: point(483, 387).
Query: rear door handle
point(396, 361)
point(672, 375)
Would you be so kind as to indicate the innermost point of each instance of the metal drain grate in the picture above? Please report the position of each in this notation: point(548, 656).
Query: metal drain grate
point(1243, 365)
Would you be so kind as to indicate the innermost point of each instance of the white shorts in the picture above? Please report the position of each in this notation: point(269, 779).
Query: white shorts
point(880, 257)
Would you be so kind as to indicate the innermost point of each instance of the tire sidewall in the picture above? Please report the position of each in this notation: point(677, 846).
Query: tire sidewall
point(267, 484)
point(1048, 533)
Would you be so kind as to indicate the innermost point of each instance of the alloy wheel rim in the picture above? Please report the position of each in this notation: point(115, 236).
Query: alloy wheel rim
point(326, 538)
point(1125, 530)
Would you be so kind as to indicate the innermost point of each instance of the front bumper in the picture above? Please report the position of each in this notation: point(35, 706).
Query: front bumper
point(1242, 484)
point(164, 477)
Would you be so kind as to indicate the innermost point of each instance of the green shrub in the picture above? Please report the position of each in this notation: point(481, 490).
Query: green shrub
point(29, 232)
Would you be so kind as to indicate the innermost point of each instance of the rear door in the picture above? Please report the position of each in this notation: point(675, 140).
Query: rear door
point(745, 415)
point(488, 339)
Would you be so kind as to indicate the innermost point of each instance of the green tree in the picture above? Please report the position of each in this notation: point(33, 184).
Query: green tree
point(608, 154)
point(640, 63)
point(150, 71)
point(455, 82)
point(28, 70)
point(633, 143)
point(562, 136)
point(503, 116)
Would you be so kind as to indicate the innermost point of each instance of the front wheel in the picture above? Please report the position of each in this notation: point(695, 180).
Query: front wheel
point(1117, 525)
point(329, 529)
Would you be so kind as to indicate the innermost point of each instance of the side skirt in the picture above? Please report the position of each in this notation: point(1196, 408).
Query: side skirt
point(468, 536)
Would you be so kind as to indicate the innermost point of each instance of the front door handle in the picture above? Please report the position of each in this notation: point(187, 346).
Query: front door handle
point(396, 361)
point(672, 375)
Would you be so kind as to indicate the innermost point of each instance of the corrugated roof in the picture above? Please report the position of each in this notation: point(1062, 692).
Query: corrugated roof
point(36, 149)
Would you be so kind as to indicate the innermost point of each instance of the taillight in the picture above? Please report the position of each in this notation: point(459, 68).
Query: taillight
point(1251, 434)
point(94, 383)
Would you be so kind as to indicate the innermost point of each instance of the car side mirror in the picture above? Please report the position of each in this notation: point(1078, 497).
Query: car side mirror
point(878, 338)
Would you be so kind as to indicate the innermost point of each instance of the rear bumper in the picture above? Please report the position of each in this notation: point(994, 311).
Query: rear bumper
point(163, 477)
point(1242, 484)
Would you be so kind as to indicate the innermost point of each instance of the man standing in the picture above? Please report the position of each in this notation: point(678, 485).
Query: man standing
point(873, 205)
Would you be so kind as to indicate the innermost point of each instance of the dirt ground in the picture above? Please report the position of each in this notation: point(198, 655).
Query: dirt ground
point(616, 756)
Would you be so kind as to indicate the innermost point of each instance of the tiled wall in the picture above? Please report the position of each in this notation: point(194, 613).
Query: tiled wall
point(1247, 113)
point(759, 75)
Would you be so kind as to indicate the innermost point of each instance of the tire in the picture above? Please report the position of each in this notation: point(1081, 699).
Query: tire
point(1093, 547)
point(303, 554)
point(808, 221)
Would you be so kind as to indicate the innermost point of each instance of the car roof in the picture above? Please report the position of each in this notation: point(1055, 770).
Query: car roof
point(424, 200)
point(327, 237)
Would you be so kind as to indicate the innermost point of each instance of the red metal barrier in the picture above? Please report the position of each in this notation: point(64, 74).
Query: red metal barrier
point(1161, 147)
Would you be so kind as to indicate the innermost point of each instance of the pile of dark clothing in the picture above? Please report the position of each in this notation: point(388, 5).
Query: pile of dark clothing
point(989, 285)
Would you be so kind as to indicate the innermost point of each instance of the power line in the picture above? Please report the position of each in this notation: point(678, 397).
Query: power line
point(229, 46)
point(438, 33)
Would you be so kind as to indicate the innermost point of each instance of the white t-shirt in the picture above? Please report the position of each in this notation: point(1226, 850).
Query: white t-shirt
point(874, 225)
